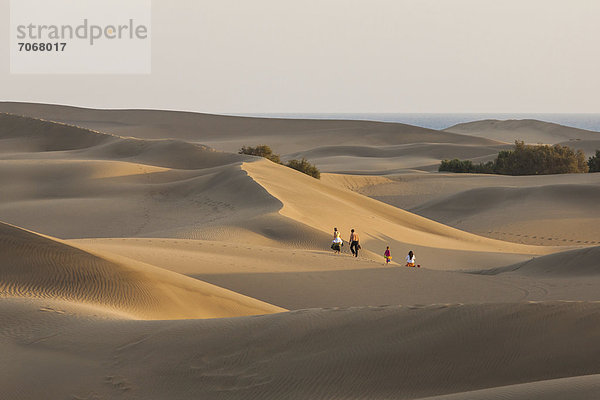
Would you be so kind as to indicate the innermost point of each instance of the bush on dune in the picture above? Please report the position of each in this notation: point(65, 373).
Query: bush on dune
point(540, 160)
point(526, 160)
point(262, 150)
point(594, 162)
point(466, 166)
point(305, 167)
point(266, 152)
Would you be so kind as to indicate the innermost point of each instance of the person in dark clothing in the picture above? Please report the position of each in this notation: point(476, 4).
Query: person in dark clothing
point(354, 243)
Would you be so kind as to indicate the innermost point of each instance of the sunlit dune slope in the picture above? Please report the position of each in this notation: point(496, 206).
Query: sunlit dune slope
point(38, 266)
point(323, 206)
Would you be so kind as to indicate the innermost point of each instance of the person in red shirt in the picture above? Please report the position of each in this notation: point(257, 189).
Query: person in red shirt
point(387, 255)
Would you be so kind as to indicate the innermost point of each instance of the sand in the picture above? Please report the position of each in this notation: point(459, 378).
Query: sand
point(527, 130)
point(42, 267)
point(542, 210)
point(136, 261)
point(341, 145)
point(368, 352)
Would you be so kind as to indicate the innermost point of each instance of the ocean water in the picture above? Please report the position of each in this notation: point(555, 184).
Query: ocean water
point(442, 121)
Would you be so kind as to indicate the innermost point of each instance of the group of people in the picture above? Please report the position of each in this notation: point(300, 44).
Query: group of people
point(410, 258)
point(338, 242)
point(354, 241)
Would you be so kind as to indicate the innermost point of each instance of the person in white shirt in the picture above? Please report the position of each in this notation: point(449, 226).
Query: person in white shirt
point(410, 259)
point(337, 243)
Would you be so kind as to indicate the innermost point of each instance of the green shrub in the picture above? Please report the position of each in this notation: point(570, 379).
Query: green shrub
point(487, 168)
point(265, 151)
point(467, 166)
point(456, 165)
point(305, 167)
point(528, 160)
point(540, 160)
point(262, 151)
point(594, 162)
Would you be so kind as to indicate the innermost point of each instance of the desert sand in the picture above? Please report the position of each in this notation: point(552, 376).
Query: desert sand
point(537, 210)
point(141, 257)
point(527, 130)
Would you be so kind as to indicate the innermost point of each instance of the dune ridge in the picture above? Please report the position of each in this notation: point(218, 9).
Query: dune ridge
point(48, 139)
point(572, 388)
point(528, 130)
point(523, 214)
point(175, 261)
point(38, 266)
point(548, 210)
point(319, 205)
point(574, 263)
point(152, 124)
point(218, 196)
point(288, 137)
point(391, 159)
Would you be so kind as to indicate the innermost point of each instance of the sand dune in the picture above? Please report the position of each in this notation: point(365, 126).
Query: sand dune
point(574, 388)
point(297, 278)
point(589, 147)
point(574, 263)
point(530, 131)
point(129, 187)
point(163, 227)
point(21, 134)
point(567, 214)
point(196, 193)
point(42, 267)
point(410, 190)
point(542, 210)
point(43, 138)
point(229, 133)
point(321, 206)
point(384, 160)
point(396, 146)
point(75, 198)
point(367, 352)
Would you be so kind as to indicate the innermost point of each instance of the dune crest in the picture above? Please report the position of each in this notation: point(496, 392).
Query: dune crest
point(134, 305)
point(528, 130)
point(37, 266)
point(322, 207)
point(574, 263)
point(565, 214)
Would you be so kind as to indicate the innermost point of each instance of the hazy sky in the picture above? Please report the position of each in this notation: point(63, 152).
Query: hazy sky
point(267, 56)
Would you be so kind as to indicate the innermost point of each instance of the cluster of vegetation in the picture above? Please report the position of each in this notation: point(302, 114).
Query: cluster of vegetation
point(265, 151)
point(261, 150)
point(594, 162)
point(529, 160)
point(305, 167)
point(467, 166)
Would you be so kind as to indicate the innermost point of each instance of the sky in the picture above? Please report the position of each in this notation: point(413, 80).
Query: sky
point(333, 56)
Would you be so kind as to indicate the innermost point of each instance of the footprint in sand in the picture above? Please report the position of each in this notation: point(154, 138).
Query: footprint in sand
point(50, 309)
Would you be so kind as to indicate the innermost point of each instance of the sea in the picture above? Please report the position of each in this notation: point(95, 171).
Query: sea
point(443, 121)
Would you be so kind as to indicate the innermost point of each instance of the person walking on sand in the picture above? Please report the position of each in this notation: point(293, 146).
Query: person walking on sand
point(337, 243)
point(354, 243)
point(410, 259)
point(387, 255)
